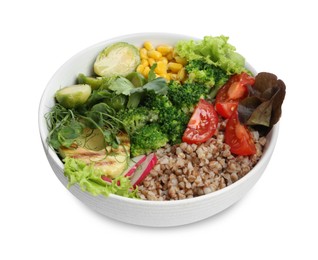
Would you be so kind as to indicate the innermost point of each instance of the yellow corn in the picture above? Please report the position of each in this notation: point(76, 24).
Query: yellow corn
point(180, 60)
point(148, 45)
point(161, 68)
point(154, 54)
point(164, 49)
point(144, 62)
point(169, 65)
point(151, 61)
point(169, 56)
point(140, 68)
point(173, 76)
point(174, 67)
point(143, 53)
point(164, 60)
point(166, 76)
point(145, 72)
point(181, 74)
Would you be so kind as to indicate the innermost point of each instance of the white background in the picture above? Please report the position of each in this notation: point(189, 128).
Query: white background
point(40, 219)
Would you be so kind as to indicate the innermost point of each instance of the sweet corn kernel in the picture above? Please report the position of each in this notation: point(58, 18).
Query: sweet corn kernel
point(143, 53)
point(164, 49)
point(181, 74)
point(173, 76)
point(140, 68)
point(164, 60)
point(174, 67)
point(148, 45)
point(161, 68)
point(144, 62)
point(151, 61)
point(169, 65)
point(145, 72)
point(180, 60)
point(166, 76)
point(154, 54)
point(169, 56)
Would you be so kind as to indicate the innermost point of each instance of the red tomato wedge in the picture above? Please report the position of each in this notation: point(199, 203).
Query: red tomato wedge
point(238, 137)
point(202, 125)
point(231, 93)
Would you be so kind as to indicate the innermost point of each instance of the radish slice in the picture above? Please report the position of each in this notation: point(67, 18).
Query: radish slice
point(144, 169)
point(134, 164)
point(107, 179)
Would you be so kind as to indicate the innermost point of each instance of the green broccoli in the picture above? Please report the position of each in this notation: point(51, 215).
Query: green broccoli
point(147, 139)
point(172, 120)
point(201, 72)
point(187, 95)
point(160, 119)
point(135, 118)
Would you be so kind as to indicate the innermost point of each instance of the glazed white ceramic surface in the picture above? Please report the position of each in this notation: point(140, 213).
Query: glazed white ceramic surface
point(139, 212)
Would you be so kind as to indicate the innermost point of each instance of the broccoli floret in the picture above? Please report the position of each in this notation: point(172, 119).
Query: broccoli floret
point(136, 118)
point(147, 139)
point(172, 120)
point(187, 95)
point(201, 72)
point(156, 102)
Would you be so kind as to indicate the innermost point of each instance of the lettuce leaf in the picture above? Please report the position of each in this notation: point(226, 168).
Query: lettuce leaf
point(213, 50)
point(90, 179)
point(263, 107)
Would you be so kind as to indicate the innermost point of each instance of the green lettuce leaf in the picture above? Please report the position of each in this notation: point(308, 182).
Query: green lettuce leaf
point(90, 179)
point(213, 50)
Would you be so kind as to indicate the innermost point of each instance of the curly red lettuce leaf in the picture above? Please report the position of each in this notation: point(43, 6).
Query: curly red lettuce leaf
point(262, 108)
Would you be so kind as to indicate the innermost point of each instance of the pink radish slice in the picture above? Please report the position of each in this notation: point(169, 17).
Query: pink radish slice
point(134, 164)
point(144, 169)
point(107, 179)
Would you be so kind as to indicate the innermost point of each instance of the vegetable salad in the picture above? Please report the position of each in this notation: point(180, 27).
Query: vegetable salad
point(107, 126)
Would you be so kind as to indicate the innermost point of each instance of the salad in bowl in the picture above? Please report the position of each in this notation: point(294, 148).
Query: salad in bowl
point(158, 117)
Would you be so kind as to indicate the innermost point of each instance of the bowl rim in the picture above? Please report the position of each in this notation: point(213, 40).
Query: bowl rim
point(269, 147)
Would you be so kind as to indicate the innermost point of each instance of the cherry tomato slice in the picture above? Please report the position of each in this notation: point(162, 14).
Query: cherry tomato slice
point(231, 93)
point(238, 137)
point(225, 109)
point(202, 125)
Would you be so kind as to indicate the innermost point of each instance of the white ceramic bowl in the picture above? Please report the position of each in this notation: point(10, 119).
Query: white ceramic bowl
point(139, 212)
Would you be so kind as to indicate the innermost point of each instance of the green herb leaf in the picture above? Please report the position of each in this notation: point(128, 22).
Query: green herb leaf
point(137, 79)
point(97, 96)
point(121, 85)
point(158, 85)
point(152, 74)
